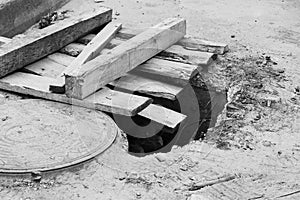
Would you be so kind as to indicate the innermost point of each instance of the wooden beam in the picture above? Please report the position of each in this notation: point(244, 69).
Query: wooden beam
point(133, 83)
point(104, 99)
point(167, 71)
point(189, 43)
point(96, 45)
point(86, 79)
point(38, 43)
point(163, 115)
point(174, 53)
point(17, 15)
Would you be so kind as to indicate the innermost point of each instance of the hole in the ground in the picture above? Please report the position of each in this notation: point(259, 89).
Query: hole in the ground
point(147, 137)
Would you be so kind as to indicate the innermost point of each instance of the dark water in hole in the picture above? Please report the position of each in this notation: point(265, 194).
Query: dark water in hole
point(147, 137)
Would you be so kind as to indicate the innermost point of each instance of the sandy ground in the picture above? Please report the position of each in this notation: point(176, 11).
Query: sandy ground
point(257, 144)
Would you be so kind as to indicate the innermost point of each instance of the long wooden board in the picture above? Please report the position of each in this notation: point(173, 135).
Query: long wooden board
point(41, 42)
point(104, 99)
point(133, 83)
point(174, 53)
point(86, 79)
point(167, 71)
point(189, 43)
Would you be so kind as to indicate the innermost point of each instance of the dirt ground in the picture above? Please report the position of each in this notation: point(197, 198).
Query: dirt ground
point(254, 150)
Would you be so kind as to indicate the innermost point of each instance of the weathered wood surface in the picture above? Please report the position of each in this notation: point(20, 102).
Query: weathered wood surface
point(189, 43)
point(96, 45)
point(167, 71)
point(104, 99)
point(133, 83)
point(38, 43)
point(86, 79)
point(18, 15)
point(34, 82)
point(174, 53)
point(61, 58)
point(163, 115)
point(45, 67)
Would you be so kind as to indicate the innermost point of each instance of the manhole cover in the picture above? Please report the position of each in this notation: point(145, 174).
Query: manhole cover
point(37, 135)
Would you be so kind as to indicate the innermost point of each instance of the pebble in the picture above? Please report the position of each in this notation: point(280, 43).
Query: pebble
point(98, 1)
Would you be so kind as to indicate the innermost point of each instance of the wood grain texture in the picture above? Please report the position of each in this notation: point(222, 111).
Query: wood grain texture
point(84, 80)
point(175, 53)
point(96, 45)
point(190, 43)
point(35, 82)
point(105, 99)
point(61, 58)
point(167, 71)
point(18, 15)
point(38, 43)
point(133, 83)
point(45, 67)
point(163, 115)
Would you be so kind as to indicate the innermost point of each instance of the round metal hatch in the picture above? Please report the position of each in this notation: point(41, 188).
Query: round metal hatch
point(37, 135)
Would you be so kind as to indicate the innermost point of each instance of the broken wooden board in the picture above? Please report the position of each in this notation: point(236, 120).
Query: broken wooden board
point(105, 99)
point(133, 83)
point(163, 115)
point(38, 43)
point(97, 44)
point(16, 15)
point(86, 79)
point(188, 43)
point(167, 71)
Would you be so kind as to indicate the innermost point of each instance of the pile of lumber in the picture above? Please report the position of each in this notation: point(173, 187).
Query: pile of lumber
point(87, 61)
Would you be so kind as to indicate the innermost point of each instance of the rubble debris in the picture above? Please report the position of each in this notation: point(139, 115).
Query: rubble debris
point(52, 17)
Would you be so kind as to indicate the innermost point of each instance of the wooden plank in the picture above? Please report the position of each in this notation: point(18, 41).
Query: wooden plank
point(175, 53)
point(16, 15)
point(133, 83)
point(38, 43)
point(86, 79)
point(61, 58)
point(104, 99)
point(167, 71)
point(189, 43)
point(97, 44)
point(163, 115)
point(35, 82)
point(180, 54)
point(45, 67)
point(197, 44)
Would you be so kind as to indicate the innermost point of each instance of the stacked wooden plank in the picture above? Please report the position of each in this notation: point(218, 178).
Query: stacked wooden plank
point(159, 89)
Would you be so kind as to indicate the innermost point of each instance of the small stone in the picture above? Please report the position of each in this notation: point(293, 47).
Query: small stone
point(160, 158)
point(117, 14)
point(98, 1)
point(232, 36)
